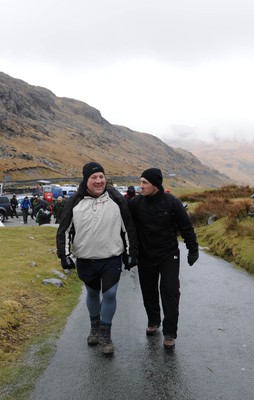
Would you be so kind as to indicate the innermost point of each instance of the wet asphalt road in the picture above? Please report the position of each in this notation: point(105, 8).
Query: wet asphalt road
point(214, 355)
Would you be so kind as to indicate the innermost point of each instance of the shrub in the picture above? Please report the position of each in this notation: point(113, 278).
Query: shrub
point(219, 207)
point(215, 207)
point(237, 211)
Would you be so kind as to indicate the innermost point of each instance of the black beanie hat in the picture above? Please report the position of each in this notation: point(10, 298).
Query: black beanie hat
point(90, 169)
point(154, 176)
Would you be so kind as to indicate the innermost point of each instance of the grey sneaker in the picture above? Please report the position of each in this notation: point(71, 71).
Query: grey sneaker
point(169, 343)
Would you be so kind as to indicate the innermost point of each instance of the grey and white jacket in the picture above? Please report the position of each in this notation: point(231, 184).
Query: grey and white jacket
point(96, 227)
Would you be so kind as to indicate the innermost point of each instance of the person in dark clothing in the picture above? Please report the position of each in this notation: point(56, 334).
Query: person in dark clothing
point(97, 229)
point(43, 216)
point(58, 209)
point(14, 205)
point(130, 193)
point(34, 203)
point(40, 203)
point(159, 217)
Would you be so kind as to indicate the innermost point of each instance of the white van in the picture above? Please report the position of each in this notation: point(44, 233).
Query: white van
point(69, 190)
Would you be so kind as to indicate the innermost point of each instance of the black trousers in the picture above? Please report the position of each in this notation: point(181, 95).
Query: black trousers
point(14, 212)
point(161, 281)
point(25, 214)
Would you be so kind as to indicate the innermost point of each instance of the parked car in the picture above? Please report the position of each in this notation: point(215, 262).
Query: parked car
point(122, 189)
point(5, 208)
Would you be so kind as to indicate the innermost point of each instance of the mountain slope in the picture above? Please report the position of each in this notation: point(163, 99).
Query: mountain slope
point(44, 136)
point(232, 158)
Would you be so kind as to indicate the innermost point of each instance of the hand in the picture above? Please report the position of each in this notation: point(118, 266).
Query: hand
point(192, 258)
point(129, 262)
point(67, 263)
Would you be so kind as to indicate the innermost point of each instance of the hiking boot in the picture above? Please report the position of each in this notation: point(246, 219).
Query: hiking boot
point(169, 343)
point(93, 337)
point(105, 340)
point(151, 330)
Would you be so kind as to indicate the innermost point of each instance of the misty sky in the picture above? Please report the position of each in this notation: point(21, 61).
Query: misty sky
point(182, 67)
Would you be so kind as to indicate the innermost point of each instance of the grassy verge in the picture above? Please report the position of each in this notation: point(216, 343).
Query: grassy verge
point(234, 245)
point(224, 222)
point(32, 314)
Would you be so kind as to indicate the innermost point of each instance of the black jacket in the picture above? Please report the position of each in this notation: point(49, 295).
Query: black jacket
point(158, 221)
point(65, 235)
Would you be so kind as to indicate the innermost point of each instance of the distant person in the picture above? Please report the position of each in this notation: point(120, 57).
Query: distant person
point(14, 204)
point(43, 216)
point(25, 206)
point(40, 203)
point(158, 217)
point(131, 193)
point(34, 203)
point(57, 209)
point(97, 228)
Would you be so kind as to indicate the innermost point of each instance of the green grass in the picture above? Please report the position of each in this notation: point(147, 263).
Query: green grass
point(32, 315)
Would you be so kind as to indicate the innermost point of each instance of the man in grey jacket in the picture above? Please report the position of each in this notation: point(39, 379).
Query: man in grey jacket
point(97, 229)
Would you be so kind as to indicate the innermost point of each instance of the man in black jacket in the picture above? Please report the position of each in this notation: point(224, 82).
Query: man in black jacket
point(14, 205)
point(159, 217)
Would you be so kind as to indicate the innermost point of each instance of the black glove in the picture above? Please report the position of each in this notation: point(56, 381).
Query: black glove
point(129, 262)
point(67, 263)
point(192, 258)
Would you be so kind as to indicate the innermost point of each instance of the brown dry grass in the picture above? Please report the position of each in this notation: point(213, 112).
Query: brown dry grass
point(225, 192)
point(231, 236)
point(229, 201)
